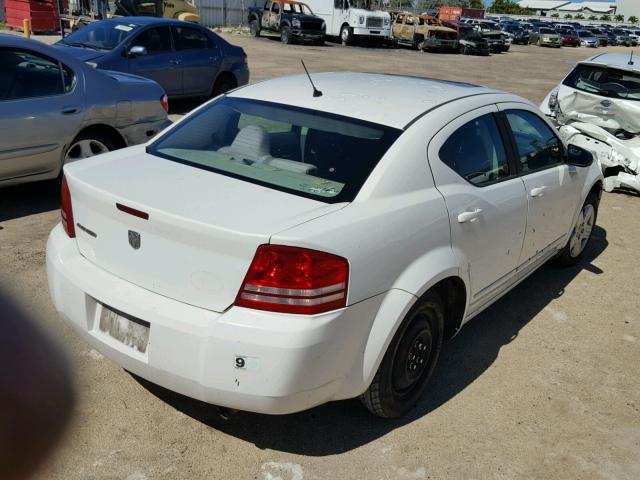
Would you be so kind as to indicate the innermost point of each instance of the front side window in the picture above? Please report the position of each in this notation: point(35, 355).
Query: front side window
point(476, 152)
point(304, 152)
point(605, 82)
point(189, 38)
point(155, 40)
point(537, 145)
point(26, 74)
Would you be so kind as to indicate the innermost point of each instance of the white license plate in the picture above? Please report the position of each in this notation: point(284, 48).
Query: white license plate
point(124, 328)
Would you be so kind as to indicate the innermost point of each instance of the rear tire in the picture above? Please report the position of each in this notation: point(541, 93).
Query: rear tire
point(580, 234)
point(222, 85)
point(89, 144)
point(409, 360)
point(254, 28)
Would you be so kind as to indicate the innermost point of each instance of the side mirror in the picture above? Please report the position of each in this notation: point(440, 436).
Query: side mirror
point(137, 51)
point(579, 156)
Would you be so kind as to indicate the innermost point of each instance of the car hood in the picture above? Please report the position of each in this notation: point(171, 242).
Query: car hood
point(79, 53)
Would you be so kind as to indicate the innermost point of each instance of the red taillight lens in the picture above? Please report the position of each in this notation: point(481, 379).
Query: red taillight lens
point(66, 211)
point(245, 59)
point(164, 101)
point(294, 280)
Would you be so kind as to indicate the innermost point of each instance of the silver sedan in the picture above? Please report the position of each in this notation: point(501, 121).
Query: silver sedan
point(55, 109)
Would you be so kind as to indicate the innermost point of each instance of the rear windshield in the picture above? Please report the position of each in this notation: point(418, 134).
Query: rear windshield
point(100, 35)
point(304, 152)
point(605, 82)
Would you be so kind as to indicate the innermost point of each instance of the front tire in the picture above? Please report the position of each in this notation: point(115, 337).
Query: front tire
point(345, 34)
point(409, 361)
point(254, 28)
point(580, 234)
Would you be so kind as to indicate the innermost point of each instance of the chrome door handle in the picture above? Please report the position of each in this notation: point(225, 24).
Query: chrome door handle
point(469, 216)
point(538, 191)
point(175, 62)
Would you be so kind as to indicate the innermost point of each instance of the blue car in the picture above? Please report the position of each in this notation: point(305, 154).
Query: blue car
point(186, 59)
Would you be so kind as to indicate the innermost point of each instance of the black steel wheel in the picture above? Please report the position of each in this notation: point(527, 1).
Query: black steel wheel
point(409, 361)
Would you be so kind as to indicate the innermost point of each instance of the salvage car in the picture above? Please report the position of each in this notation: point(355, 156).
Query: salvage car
point(518, 34)
point(187, 60)
point(497, 41)
point(470, 40)
point(290, 244)
point(546, 37)
point(423, 32)
point(55, 109)
point(290, 19)
point(596, 106)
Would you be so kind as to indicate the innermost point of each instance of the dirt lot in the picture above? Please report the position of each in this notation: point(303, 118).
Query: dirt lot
point(542, 385)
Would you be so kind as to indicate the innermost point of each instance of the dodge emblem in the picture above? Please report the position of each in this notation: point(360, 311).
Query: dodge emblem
point(134, 239)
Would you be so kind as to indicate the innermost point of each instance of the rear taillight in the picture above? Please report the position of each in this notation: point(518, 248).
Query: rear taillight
point(66, 211)
point(294, 280)
point(164, 101)
point(245, 59)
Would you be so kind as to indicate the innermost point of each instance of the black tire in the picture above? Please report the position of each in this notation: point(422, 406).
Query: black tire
point(409, 361)
point(285, 35)
point(90, 135)
point(345, 34)
point(571, 253)
point(254, 28)
point(222, 85)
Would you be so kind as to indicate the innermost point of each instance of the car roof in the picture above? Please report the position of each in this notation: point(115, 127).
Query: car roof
point(386, 99)
point(617, 60)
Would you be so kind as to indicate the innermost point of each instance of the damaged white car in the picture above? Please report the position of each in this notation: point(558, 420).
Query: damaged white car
point(597, 107)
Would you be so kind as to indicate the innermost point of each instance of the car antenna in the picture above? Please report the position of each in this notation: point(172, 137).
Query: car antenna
point(316, 92)
point(631, 62)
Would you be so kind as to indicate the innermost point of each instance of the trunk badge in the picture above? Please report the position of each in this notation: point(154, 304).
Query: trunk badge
point(134, 239)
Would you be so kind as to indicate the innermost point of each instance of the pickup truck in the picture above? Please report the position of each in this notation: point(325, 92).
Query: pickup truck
point(291, 19)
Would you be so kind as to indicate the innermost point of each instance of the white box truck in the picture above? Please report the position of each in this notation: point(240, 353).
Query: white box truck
point(350, 19)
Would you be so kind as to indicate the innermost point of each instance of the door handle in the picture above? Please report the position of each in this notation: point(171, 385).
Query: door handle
point(175, 61)
point(70, 110)
point(469, 216)
point(538, 191)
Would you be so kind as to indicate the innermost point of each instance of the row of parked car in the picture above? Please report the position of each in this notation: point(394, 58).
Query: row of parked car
point(556, 34)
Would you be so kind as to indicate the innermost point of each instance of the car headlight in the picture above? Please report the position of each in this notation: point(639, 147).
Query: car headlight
point(361, 19)
point(92, 64)
point(553, 99)
point(295, 22)
point(387, 20)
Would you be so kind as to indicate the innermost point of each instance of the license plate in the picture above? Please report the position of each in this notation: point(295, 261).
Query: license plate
point(124, 328)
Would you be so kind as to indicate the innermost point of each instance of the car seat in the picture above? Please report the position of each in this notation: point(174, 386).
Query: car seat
point(251, 143)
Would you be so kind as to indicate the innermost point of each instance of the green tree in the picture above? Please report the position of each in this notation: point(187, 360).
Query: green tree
point(476, 4)
point(632, 19)
point(579, 16)
point(568, 16)
point(605, 18)
point(555, 15)
point(592, 17)
point(509, 7)
point(619, 18)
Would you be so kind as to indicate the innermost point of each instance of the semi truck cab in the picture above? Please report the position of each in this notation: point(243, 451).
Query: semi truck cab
point(351, 19)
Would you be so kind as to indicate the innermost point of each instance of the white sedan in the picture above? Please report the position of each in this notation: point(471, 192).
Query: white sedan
point(275, 249)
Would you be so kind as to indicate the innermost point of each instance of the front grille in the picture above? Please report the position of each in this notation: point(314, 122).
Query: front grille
point(374, 22)
point(311, 26)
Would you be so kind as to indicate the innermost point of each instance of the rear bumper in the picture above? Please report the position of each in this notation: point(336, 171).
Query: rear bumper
point(297, 362)
point(143, 132)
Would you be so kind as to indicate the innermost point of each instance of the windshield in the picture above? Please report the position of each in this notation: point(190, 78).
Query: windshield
point(305, 152)
point(299, 8)
point(364, 4)
point(547, 31)
point(605, 82)
point(470, 34)
point(100, 35)
point(585, 33)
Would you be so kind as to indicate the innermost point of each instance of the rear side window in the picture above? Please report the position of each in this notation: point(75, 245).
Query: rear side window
point(537, 145)
point(188, 38)
point(476, 152)
point(26, 74)
point(155, 40)
point(304, 152)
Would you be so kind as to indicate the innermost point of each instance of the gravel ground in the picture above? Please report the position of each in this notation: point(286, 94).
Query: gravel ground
point(541, 385)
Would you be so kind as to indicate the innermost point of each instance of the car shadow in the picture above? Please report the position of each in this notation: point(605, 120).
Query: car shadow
point(338, 427)
point(29, 199)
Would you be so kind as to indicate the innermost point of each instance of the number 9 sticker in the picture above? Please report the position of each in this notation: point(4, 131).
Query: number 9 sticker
point(245, 363)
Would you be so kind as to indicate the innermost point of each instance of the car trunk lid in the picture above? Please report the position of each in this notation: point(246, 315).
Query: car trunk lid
point(202, 229)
